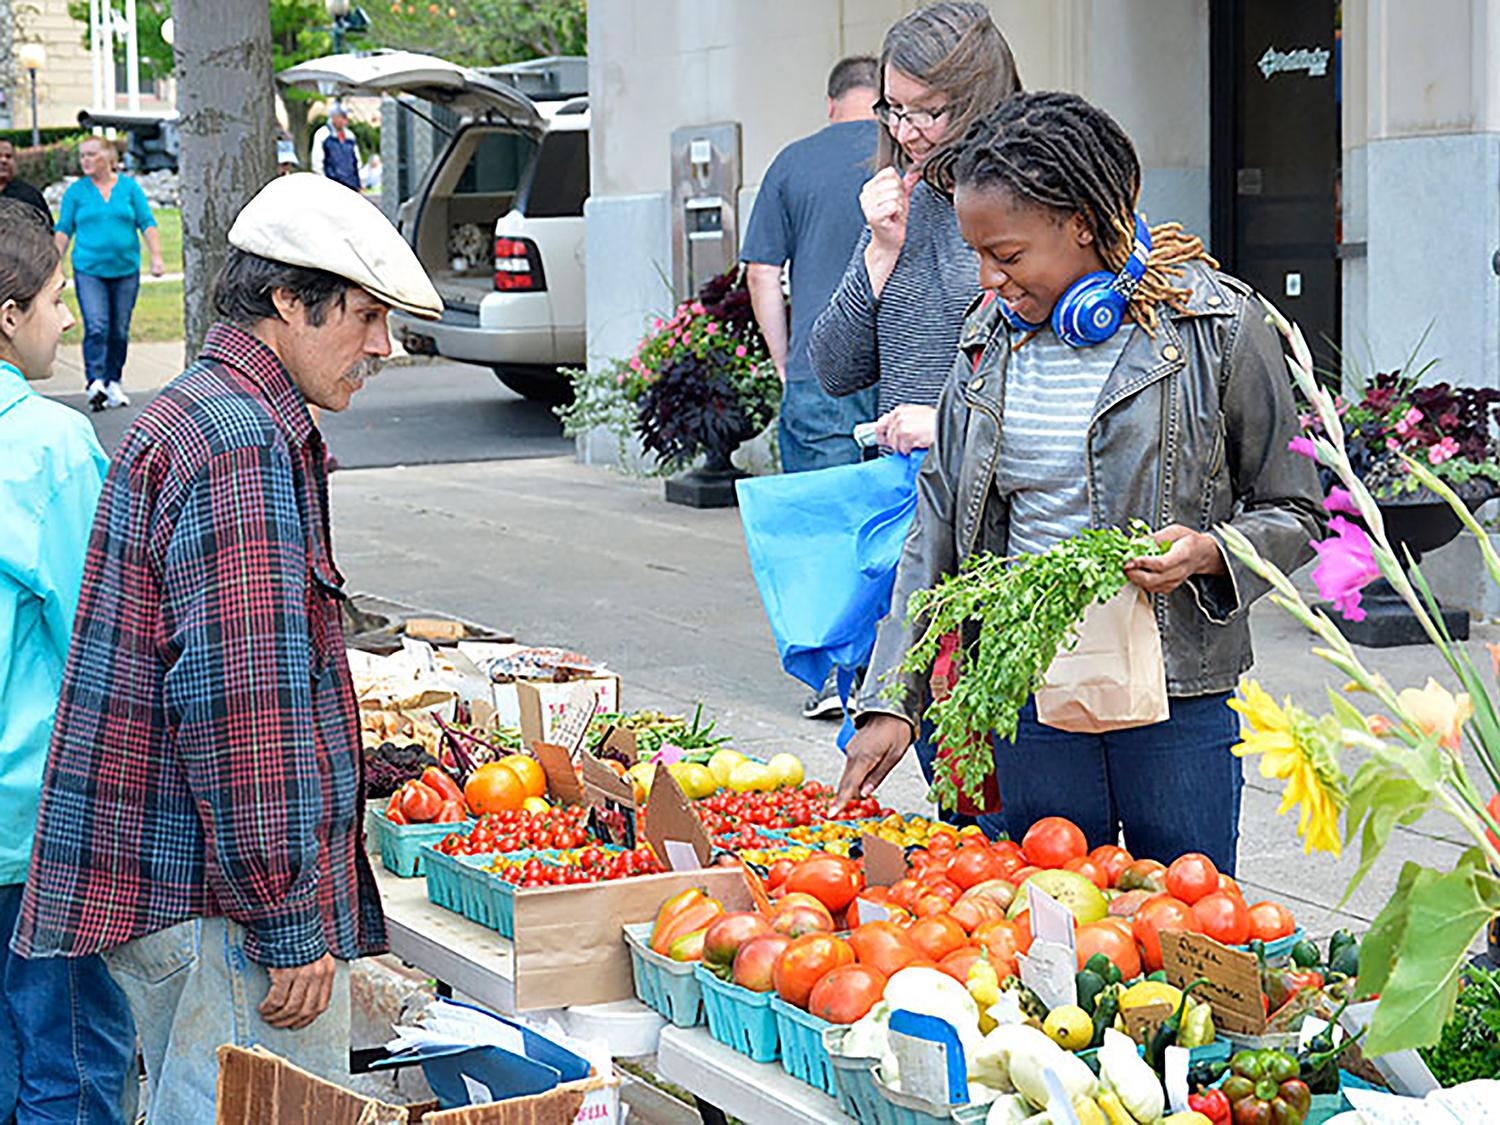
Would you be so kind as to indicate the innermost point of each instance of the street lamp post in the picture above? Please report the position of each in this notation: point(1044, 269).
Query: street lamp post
point(338, 12)
point(33, 56)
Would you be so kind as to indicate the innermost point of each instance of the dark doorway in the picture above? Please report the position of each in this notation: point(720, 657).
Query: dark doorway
point(1276, 156)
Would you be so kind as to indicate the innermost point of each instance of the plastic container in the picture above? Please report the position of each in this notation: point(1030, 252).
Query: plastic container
point(668, 987)
point(401, 844)
point(803, 1055)
point(896, 1108)
point(740, 1019)
point(1280, 950)
point(853, 1077)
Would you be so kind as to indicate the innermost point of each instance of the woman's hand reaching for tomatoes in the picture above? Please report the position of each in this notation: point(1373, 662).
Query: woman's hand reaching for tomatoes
point(1191, 552)
point(873, 752)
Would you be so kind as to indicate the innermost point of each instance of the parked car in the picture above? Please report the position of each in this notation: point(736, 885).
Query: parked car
point(497, 219)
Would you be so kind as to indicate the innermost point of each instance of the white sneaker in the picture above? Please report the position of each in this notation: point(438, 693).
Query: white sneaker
point(96, 394)
point(114, 395)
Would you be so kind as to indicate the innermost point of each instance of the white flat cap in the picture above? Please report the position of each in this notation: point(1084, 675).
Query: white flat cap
point(307, 220)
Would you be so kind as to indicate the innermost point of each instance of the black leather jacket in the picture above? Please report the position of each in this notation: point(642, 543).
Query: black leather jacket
point(1191, 428)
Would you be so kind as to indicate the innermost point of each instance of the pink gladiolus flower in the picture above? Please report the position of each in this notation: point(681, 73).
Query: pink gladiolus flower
point(697, 308)
point(1392, 444)
point(1408, 420)
point(1339, 500)
point(1440, 451)
point(1346, 565)
point(712, 329)
point(1304, 445)
point(740, 352)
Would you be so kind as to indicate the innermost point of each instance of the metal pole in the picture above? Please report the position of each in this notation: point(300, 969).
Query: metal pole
point(132, 60)
point(96, 71)
point(107, 26)
point(36, 130)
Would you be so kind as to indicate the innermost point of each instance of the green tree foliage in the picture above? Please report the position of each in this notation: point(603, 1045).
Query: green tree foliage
point(481, 32)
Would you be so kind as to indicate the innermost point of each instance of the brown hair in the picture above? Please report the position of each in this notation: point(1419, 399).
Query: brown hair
point(1058, 151)
point(954, 47)
point(28, 256)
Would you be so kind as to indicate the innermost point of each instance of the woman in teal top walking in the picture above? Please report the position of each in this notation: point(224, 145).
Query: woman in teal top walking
point(67, 1042)
point(104, 211)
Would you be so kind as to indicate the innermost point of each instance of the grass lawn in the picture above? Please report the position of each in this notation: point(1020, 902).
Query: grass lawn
point(169, 226)
point(157, 317)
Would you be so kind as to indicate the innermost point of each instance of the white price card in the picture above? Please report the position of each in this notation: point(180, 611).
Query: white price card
point(1176, 1073)
point(1050, 919)
point(923, 1065)
point(1050, 970)
point(681, 856)
point(872, 912)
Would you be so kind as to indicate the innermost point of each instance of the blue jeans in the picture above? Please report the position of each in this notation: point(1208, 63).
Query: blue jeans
point(192, 989)
point(67, 1044)
point(1172, 786)
point(106, 304)
point(816, 429)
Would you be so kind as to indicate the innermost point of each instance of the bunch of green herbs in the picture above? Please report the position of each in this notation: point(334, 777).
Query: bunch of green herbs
point(1470, 1044)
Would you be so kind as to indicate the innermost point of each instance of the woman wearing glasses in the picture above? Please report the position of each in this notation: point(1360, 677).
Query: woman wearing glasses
point(895, 318)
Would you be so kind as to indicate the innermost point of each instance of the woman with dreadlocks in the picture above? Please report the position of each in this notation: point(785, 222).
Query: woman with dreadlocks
point(1131, 380)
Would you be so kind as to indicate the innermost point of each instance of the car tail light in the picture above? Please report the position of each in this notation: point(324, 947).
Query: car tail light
point(518, 266)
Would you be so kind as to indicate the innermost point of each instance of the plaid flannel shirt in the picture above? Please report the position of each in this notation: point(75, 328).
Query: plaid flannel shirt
point(206, 756)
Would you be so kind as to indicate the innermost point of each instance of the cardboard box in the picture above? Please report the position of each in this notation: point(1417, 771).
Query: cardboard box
point(569, 946)
point(541, 705)
point(257, 1087)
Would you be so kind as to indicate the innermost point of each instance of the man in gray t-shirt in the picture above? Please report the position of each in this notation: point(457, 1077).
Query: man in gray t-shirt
point(807, 213)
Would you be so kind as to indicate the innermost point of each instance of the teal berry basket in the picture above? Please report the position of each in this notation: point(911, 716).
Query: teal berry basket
point(803, 1055)
point(669, 988)
point(401, 844)
point(740, 1019)
point(853, 1077)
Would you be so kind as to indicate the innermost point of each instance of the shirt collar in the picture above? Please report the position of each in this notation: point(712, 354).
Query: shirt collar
point(232, 345)
point(13, 386)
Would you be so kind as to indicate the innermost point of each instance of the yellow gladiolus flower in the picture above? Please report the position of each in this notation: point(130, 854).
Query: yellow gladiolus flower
point(1301, 751)
point(1436, 710)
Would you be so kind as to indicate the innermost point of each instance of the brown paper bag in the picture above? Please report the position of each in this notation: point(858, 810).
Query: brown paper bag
point(1113, 678)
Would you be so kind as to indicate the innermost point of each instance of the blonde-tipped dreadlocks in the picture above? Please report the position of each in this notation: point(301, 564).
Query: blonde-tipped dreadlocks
point(1058, 151)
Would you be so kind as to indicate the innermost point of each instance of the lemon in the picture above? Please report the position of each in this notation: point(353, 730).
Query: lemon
point(1147, 992)
point(722, 764)
point(786, 769)
point(1070, 1027)
point(536, 805)
point(696, 781)
point(751, 777)
point(641, 775)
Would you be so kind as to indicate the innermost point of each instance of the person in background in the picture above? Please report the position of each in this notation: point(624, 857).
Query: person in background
point(12, 188)
point(286, 155)
point(895, 317)
point(201, 817)
point(105, 213)
point(67, 1044)
point(340, 150)
point(807, 216)
point(1170, 406)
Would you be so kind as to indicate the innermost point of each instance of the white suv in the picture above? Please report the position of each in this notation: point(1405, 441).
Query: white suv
point(497, 220)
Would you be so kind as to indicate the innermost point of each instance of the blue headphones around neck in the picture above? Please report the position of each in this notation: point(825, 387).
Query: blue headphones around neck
point(1091, 310)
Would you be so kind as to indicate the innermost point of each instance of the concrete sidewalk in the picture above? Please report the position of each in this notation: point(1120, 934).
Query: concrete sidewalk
point(566, 554)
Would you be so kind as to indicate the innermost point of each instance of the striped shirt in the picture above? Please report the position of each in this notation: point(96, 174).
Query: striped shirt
point(906, 339)
point(1050, 393)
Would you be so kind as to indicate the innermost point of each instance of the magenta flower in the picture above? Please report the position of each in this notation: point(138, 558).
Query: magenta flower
point(740, 352)
point(1304, 445)
point(1408, 421)
point(712, 329)
point(1339, 500)
point(1346, 565)
point(1440, 451)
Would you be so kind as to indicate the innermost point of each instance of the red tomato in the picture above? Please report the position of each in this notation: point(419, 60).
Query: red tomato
point(1228, 885)
point(943, 888)
point(1052, 841)
point(1089, 868)
point(1271, 920)
point(958, 963)
point(972, 864)
point(831, 879)
point(971, 913)
point(728, 932)
point(904, 893)
point(777, 873)
point(419, 802)
point(451, 812)
point(883, 946)
point(806, 961)
point(1107, 938)
point(1114, 859)
point(1143, 875)
point(798, 918)
point(1223, 917)
point(1192, 876)
point(1023, 874)
point(1007, 848)
point(1161, 913)
point(846, 993)
point(937, 936)
point(929, 905)
point(1493, 808)
point(1002, 943)
point(754, 963)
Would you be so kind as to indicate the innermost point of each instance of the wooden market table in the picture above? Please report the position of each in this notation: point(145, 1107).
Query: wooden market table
point(478, 962)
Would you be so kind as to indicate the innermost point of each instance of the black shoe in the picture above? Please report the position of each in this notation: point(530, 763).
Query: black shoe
point(825, 703)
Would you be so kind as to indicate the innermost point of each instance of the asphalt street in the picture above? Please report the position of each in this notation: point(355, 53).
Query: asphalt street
point(456, 496)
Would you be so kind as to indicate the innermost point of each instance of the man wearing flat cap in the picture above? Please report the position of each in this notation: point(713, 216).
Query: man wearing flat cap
point(202, 811)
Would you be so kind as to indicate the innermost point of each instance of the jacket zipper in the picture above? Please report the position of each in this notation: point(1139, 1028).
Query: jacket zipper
point(989, 476)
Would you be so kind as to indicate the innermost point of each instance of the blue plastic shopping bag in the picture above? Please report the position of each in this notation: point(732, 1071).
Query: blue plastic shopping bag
point(824, 547)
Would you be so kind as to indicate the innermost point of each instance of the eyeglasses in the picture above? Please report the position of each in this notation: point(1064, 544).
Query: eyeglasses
point(918, 119)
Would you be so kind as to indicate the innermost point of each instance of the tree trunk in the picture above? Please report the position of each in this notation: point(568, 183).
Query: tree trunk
point(227, 121)
point(296, 124)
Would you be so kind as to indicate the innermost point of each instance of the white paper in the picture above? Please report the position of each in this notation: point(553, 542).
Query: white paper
point(1404, 1071)
point(1175, 1071)
point(1312, 1026)
point(872, 912)
point(681, 856)
point(479, 1093)
point(420, 653)
point(1007, 1009)
point(1059, 1106)
point(1050, 970)
point(923, 1066)
point(579, 710)
point(1378, 1108)
point(1050, 920)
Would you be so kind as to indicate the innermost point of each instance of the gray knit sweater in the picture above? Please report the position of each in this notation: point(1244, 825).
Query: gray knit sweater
point(907, 339)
